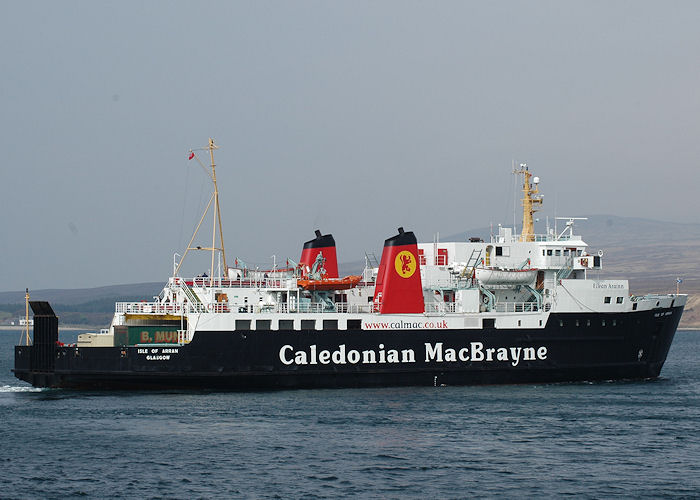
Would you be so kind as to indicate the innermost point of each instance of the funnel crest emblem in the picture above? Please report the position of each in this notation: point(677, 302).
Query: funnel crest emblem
point(405, 264)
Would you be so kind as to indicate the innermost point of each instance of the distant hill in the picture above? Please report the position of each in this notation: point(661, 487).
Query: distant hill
point(82, 295)
point(89, 307)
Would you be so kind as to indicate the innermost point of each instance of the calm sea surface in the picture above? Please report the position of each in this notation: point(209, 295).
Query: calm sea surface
point(631, 439)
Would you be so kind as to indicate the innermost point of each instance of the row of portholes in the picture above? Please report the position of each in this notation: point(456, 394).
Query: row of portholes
point(603, 322)
point(619, 300)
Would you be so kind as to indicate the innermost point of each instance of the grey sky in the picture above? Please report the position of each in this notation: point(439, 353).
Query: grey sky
point(352, 117)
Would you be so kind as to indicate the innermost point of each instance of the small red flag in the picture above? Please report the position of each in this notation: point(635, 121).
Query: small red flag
point(191, 155)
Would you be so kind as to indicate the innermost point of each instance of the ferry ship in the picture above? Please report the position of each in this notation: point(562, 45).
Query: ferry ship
point(518, 308)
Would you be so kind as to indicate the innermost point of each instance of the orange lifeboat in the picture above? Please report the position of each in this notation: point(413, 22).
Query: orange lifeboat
point(330, 283)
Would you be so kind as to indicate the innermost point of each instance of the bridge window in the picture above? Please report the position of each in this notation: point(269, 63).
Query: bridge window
point(557, 252)
point(549, 252)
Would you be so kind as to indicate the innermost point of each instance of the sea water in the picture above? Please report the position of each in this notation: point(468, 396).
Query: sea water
point(588, 440)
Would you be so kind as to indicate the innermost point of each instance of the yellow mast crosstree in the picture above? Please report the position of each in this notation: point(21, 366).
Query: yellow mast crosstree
point(531, 202)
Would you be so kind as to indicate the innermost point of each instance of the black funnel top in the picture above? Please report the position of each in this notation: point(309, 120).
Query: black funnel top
point(403, 238)
point(41, 308)
point(320, 241)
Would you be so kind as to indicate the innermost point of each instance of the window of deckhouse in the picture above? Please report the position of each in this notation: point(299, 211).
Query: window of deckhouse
point(421, 256)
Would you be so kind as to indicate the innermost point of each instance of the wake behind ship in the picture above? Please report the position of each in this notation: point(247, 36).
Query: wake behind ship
point(519, 308)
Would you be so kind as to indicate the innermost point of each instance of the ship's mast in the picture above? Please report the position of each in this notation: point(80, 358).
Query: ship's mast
point(217, 211)
point(217, 215)
point(27, 340)
point(531, 199)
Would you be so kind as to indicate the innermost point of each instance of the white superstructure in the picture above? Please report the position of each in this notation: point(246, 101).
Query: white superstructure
point(511, 281)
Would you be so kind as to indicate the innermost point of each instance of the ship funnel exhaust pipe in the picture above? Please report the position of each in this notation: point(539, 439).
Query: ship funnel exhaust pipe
point(325, 244)
point(399, 288)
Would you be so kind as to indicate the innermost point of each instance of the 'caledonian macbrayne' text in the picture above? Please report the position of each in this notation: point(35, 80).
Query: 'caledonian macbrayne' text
point(434, 352)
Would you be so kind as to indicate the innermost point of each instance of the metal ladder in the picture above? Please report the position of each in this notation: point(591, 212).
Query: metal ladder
point(371, 260)
point(191, 296)
point(566, 269)
point(472, 262)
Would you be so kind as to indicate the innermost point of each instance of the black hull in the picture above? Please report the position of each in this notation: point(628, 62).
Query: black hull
point(629, 346)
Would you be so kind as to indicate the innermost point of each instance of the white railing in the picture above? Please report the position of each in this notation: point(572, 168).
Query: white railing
point(354, 308)
point(253, 282)
point(152, 308)
point(157, 308)
point(517, 307)
point(550, 237)
point(440, 307)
